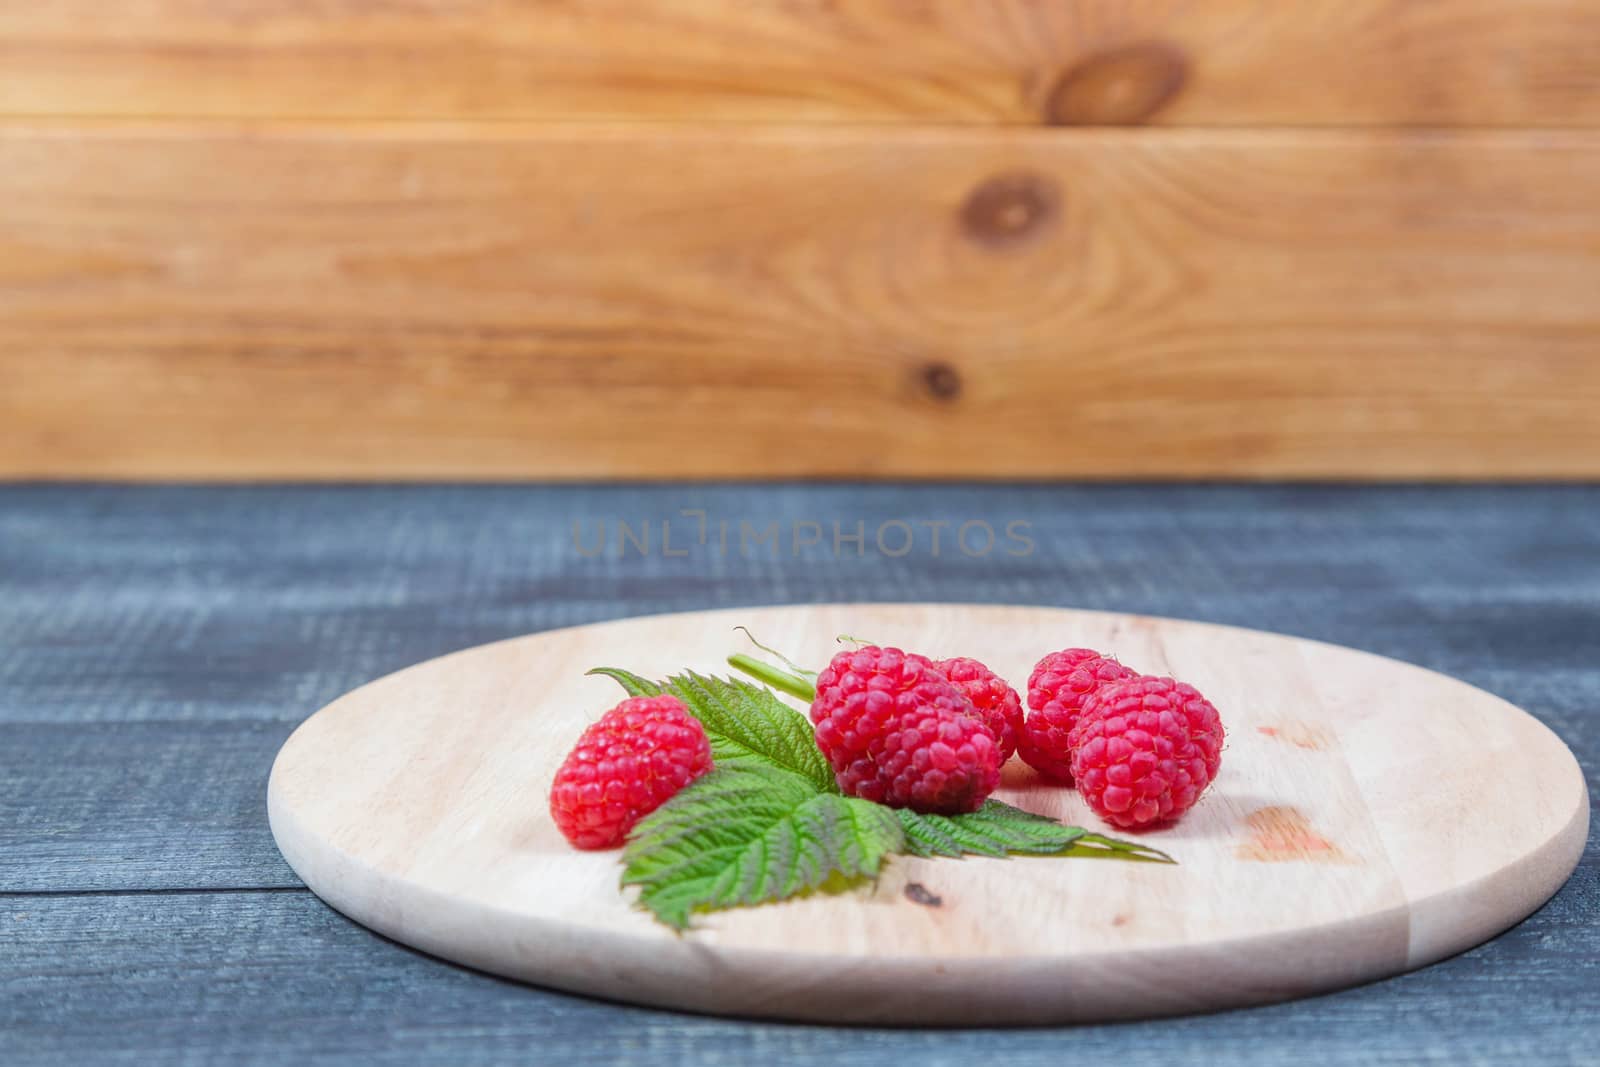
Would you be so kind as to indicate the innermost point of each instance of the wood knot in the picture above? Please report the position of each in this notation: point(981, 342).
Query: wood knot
point(1008, 209)
point(1124, 87)
point(941, 380)
point(918, 893)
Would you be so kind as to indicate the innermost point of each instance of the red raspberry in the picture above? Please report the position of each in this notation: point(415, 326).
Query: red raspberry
point(624, 767)
point(862, 689)
point(1205, 724)
point(933, 760)
point(1144, 750)
point(1056, 691)
point(896, 731)
point(996, 701)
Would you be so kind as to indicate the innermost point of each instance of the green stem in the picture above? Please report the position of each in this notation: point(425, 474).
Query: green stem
point(793, 666)
point(779, 679)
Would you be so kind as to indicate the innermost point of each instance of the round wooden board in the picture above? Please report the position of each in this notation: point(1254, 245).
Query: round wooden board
point(1370, 817)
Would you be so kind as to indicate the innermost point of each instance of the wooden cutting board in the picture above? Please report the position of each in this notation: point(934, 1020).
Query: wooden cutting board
point(1370, 817)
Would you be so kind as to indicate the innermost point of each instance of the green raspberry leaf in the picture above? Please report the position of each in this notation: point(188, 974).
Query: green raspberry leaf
point(632, 683)
point(745, 835)
point(746, 724)
point(998, 829)
point(749, 724)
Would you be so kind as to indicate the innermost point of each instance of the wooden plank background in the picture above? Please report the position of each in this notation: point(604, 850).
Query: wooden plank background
point(589, 238)
point(595, 302)
point(1209, 62)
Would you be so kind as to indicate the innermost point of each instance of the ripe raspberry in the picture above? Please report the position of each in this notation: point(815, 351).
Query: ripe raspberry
point(933, 760)
point(1144, 750)
point(1205, 724)
point(996, 701)
point(1056, 691)
point(624, 767)
point(862, 689)
point(896, 731)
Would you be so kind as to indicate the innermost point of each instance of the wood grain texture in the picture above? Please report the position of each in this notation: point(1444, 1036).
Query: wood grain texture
point(279, 978)
point(124, 606)
point(1222, 62)
point(144, 806)
point(640, 301)
point(1348, 835)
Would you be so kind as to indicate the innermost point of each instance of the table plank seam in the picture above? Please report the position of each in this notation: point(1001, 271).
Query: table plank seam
point(153, 891)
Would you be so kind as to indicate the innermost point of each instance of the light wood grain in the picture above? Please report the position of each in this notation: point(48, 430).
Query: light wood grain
point(1221, 62)
point(638, 301)
point(1370, 817)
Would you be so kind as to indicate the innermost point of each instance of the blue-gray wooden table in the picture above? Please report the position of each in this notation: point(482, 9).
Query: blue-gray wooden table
point(157, 644)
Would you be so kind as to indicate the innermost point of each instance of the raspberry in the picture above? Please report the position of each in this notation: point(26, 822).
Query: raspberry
point(1205, 724)
point(624, 767)
point(1056, 691)
point(933, 760)
point(862, 689)
point(997, 702)
point(896, 731)
point(1144, 750)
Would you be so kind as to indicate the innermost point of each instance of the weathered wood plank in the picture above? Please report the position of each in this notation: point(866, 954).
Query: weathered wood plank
point(1223, 62)
point(137, 806)
point(574, 302)
point(278, 978)
point(158, 644)
point(207, 604)
point(1498, 585)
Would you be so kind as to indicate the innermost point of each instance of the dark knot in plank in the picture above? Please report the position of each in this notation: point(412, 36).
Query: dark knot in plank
point(1124, 87)
point(1009, 208)
point(941, 380)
